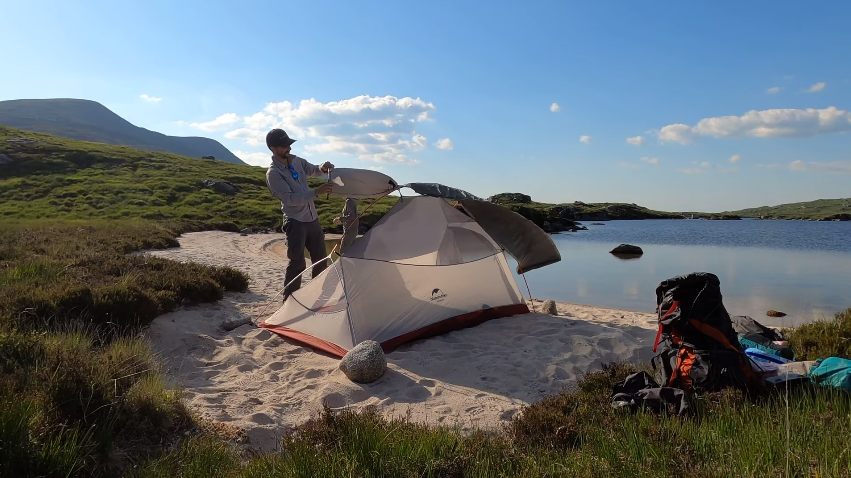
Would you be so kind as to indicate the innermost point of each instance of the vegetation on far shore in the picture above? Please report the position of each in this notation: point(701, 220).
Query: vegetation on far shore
point(81, 394)
point(818, 210)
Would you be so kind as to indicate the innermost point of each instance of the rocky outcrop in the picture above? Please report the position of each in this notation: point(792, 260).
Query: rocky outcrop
point(837, 217)
point(365, 362)
point(510, 198)
point(222, 187)
point(550, 219)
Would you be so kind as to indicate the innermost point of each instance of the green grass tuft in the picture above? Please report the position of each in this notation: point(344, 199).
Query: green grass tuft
point(831, 338)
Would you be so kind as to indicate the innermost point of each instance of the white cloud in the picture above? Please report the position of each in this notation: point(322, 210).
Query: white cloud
point(653, 161)
point(843, 167)
point(444, 144)
point(263, 158)
point(222, 121)
point(816, 87)
point(774, 90)
point(585, 139)
point(150, 99)
point(635, 140)
point(735, 158)
point(555, 107)
point(380, 129)
point(675, 133)
point(771, 123)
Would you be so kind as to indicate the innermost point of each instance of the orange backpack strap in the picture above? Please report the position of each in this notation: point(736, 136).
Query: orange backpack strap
point(714, 333)
point(673, 308)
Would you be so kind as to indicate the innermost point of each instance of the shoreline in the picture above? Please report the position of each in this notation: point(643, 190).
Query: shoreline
point(475, 378)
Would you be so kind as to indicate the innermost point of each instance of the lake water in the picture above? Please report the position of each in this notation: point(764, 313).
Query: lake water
point(802, 268)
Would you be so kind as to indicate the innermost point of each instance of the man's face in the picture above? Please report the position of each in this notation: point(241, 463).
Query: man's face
point(281, 151)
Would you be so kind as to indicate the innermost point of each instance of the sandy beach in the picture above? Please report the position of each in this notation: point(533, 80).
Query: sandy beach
point(474, 378)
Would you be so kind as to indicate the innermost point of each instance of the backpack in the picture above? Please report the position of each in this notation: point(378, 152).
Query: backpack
point(700, 350)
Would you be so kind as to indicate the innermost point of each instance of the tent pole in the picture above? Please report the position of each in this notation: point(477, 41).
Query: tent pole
point(532, 300)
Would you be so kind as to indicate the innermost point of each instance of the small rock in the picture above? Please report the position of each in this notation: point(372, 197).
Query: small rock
point(775, 313)
point(627, 250)
point(5, 159)
point(230, 324)
point(365, 362)
point(550, 307)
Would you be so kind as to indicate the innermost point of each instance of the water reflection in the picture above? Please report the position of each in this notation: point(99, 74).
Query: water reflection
point(806, 284)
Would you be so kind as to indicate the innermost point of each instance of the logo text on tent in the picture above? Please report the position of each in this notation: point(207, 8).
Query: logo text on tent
point(437, 295)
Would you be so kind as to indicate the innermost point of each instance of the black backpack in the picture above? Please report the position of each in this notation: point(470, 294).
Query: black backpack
point(699, 350)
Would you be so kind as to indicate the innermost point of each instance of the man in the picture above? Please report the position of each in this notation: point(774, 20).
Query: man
point(287, 179)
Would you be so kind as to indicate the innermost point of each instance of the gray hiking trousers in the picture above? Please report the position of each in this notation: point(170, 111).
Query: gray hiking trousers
point(300, 235)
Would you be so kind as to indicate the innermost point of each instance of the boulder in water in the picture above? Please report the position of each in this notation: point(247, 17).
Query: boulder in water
point(627, 250)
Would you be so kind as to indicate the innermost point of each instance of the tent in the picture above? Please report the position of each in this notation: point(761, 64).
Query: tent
point(425, 268)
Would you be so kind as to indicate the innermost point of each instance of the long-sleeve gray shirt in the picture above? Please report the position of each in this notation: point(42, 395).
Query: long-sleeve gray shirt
point(296, 198)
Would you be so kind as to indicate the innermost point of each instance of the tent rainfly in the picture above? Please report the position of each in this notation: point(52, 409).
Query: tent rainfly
point(425, 268)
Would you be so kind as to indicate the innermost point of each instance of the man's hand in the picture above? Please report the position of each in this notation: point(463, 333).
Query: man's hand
point(323, 189)
point(326, 167)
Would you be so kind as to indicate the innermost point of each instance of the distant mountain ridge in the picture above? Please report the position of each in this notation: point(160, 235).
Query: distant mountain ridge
point(88, 120)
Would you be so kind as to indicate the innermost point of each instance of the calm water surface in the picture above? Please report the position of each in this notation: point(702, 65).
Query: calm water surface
point(802, 268)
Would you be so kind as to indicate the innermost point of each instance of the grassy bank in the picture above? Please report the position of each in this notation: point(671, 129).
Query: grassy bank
point(80, 395)
point(55, 273)
point(574, 433)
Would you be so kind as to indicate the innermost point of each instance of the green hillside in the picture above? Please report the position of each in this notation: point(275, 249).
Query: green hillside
point(43, 176)
point(87, 120)
point(818, 210)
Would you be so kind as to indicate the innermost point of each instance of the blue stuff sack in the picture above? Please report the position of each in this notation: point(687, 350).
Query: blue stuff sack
point(833, 372)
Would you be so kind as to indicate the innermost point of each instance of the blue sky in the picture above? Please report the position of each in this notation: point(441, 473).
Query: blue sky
point(671, 105)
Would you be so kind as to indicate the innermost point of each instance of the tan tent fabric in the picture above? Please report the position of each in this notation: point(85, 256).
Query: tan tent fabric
point(525, 241)
point(424, 268)
point(360, 183)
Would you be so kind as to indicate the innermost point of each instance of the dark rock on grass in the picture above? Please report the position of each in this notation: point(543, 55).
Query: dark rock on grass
point(222, 187)
point(775, 313)
point(5, 159)
point(365, 362)
point(627, 250)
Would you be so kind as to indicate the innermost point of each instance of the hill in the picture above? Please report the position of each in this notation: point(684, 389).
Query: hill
point(91, 121)
point(43, 176)
point(818, 210)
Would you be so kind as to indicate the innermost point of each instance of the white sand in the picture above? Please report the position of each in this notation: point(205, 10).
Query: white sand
point(472, 378)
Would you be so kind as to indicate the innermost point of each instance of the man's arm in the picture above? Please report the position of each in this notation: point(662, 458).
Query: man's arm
point(310, 168)
point(281, 190)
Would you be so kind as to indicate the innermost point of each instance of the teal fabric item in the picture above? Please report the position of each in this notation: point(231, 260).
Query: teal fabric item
point(833, 372)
